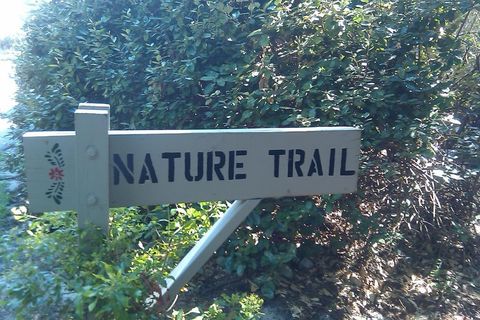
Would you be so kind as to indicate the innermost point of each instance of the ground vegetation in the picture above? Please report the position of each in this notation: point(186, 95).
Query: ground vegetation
point(406, 72)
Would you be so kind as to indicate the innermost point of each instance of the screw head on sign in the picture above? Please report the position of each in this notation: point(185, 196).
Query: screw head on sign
point(92, 152)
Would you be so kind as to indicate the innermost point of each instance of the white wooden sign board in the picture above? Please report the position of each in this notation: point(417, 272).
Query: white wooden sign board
point(93, 169)
point(153, 167)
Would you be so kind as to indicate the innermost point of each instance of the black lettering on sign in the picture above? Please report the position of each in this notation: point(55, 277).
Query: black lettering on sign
point(315, 164)
point(220, 164)
point(331, 167)
point(188, 167)
point(148, 171)
point(239, 165)
point(120, 167)
point(276, 160)
point(299, 162)
point(290, 163)
point(343, 171)
point(231, 165)
point(171, 156)
point(210, 166)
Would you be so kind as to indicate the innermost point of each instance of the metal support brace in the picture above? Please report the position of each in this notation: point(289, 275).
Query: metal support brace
point(206, 246)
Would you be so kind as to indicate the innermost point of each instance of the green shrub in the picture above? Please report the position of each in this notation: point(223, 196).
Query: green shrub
point(380, 66)
point(395, 69)
point(47, 271)
point(3, 201)
point(235, 307)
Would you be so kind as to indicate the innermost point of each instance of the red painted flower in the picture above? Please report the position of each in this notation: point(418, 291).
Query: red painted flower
point(56, 174)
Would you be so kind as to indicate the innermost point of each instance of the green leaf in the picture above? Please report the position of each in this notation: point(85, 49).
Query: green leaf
point(268, 290)
point(246, 115)
point(240, 269)
point(255, 33)
point(194, 310)
point(253, 5)
point(180, 315)
point(92, 305)
point(264, 40)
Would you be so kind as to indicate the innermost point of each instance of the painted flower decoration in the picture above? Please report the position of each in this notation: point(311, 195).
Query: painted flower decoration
point(56, 174)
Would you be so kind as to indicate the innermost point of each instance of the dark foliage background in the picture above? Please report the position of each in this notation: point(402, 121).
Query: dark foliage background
point(405, 72)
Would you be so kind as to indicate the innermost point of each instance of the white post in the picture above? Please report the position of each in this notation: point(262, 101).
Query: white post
point(96, 106)
point(92, 168)
point(206, 246)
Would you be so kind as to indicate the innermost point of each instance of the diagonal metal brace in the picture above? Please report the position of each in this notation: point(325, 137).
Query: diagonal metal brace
point(206, 246)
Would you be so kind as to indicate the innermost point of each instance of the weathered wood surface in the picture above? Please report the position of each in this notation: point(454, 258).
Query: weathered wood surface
point(168, 166)
point(92, 152)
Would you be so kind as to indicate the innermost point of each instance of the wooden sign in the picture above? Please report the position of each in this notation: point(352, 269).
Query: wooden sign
point(93, 169)
point(153, 167)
